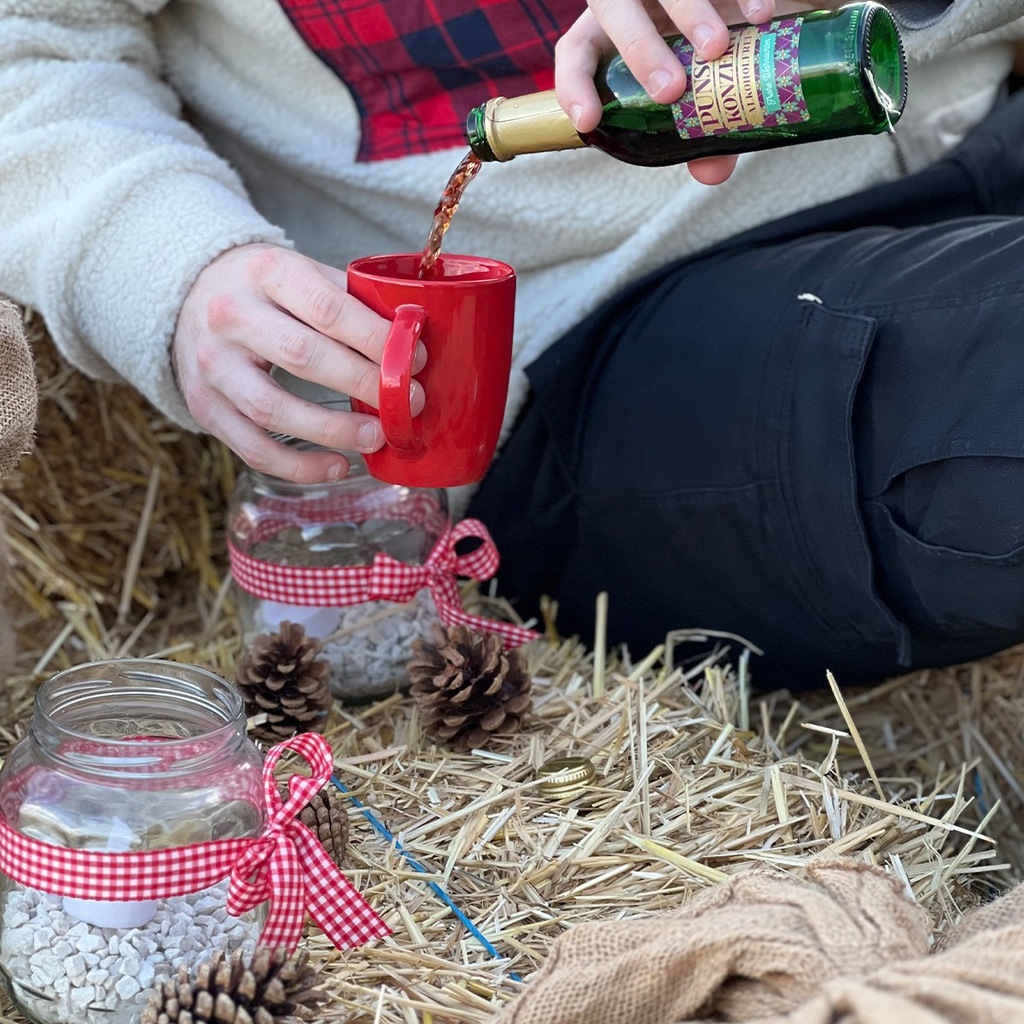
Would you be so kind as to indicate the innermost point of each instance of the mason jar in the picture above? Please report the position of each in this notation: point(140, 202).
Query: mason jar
point(122, 756)
point(278, 528)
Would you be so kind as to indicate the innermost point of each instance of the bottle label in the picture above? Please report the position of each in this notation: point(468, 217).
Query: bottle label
point(754, 84)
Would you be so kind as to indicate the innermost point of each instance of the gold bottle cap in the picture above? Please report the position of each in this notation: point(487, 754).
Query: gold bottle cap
point(565, 776)
point(527, 124)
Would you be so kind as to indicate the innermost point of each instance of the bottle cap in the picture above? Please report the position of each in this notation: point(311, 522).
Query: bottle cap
point(505, 128)
point(565, 777)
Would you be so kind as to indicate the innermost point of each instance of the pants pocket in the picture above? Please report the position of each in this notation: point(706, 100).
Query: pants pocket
point(952, 581)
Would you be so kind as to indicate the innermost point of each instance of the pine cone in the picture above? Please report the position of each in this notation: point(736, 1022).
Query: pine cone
point(468, 687)
point(325, 816)
point(228, 990)
point(280, 674)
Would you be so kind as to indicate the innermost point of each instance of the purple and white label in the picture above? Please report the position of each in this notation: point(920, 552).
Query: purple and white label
point(754, 84)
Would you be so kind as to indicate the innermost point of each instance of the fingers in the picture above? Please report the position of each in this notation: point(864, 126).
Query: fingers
point(264, 402)
point(626, 27)
point(316, 297)
point(340, 280)
point(756, 11)
point(656, 67)
point(272, 337)
point(234, 389)
point(267, 454)
point(712, 170)
point(256, 307)
point(622, 26)
point(296, 285)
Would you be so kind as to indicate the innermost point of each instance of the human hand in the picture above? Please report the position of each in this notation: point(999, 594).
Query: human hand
point(636, 29)
point(258, 306)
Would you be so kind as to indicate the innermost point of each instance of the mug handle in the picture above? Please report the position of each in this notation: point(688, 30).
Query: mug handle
point(396, 378)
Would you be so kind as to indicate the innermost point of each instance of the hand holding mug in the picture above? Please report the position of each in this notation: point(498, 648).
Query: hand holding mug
point(259, 306)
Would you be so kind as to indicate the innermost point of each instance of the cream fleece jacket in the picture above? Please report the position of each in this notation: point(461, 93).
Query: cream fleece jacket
point(112, 201)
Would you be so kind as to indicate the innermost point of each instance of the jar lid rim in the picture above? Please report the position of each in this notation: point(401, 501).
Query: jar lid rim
point(200, 687)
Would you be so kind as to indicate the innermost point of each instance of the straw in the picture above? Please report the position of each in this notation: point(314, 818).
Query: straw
point(600, 640)
point(417, 866)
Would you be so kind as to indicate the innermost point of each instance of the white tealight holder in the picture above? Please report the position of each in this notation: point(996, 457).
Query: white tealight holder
point(113, 913)
point(318, 622)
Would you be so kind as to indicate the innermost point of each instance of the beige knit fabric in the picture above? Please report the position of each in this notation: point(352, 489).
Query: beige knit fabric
point(18, 394)
point(842, 945)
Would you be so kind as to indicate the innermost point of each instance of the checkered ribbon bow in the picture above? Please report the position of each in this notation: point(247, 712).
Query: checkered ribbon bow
point(289, 866)
point(286, 865)
point(387, 579)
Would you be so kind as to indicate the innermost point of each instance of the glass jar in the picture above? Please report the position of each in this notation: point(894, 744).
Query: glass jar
point(123, 756)
point(320, 528)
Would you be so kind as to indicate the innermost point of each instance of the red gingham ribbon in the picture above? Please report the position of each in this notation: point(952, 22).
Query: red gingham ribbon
point(386, 579)
point(285, 864)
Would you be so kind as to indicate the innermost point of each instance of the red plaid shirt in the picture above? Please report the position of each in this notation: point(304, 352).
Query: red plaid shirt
point(416, 67)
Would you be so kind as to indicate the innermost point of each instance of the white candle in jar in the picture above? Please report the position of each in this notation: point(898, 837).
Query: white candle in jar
point(113, 913)
point(317, 621)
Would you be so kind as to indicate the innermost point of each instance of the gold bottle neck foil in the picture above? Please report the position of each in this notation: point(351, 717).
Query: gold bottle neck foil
point(528, 124)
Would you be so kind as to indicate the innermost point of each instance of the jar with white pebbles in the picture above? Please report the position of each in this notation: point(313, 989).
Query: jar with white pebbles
point(122, 756)
point(291, 546)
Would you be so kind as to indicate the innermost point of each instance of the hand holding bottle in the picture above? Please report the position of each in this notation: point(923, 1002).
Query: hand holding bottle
point(258, 306)
point(822, 74)
point(636, 29)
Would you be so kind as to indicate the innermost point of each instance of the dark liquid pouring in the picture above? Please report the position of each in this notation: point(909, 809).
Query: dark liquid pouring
point(449, 203)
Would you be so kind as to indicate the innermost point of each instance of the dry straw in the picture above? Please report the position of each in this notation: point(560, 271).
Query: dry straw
point(115, 530)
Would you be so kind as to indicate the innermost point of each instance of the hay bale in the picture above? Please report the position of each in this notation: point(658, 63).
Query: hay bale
point(921, 726)
point(115, 528)
point(117, 549)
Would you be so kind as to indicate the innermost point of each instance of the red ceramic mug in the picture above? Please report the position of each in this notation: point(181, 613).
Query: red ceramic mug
point(463, 313)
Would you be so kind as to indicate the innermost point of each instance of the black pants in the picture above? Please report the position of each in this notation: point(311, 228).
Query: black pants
point(812, 436)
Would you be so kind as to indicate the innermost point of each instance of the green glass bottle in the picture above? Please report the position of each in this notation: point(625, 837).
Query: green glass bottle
point(819, 75)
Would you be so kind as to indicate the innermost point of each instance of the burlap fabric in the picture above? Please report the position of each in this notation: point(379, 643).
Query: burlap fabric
point(19, 400)
point(841, 945)
point(18, 394)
